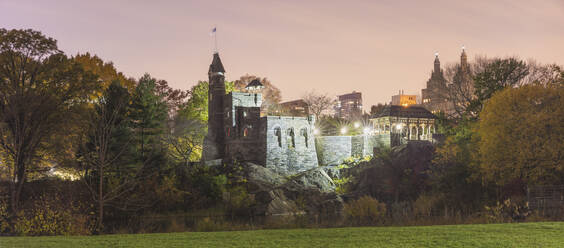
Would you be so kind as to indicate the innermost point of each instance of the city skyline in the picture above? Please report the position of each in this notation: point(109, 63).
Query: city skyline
point(324, 46)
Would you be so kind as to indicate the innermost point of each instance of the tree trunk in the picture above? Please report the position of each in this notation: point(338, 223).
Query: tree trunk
point(100, 200)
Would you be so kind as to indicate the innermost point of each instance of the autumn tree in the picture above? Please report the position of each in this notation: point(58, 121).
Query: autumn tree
point(174, 98)
point(106, 72)
point(39, 88)
point(271, 95)
point(521, 135)
point(318, 103)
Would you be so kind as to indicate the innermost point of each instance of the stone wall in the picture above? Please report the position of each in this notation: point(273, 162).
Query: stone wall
point(290, 145)
point(332, 150)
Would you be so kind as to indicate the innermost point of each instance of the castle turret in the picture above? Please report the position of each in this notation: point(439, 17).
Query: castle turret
point(214, 143)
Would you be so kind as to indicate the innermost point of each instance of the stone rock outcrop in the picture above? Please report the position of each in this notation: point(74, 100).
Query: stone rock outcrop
point(310, 192)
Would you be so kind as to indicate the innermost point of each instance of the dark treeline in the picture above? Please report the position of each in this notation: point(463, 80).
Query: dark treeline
point(85, 149)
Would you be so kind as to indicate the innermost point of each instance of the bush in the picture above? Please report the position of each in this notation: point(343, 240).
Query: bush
point(365, 211)
point(507, 211)
point(50, 217)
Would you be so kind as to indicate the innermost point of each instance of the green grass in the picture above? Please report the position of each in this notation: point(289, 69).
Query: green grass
point(541, 234)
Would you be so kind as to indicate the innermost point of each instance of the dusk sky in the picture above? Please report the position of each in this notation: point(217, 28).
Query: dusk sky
point(375, 47)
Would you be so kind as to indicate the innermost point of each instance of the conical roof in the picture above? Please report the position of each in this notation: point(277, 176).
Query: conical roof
point(216, 65)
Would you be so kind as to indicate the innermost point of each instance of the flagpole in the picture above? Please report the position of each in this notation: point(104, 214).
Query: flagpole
point(215, 40)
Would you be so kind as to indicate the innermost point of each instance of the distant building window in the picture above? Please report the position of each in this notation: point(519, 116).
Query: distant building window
point(228, 132)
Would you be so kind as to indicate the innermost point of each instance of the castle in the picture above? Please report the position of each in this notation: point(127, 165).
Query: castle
point(236, 130)
point(286, 144)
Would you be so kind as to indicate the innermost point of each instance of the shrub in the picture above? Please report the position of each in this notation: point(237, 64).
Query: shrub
point(4, 222)
point(424, 205)
point(507, 211)
point(238, 201)
point(365, 211)
point(50, 217)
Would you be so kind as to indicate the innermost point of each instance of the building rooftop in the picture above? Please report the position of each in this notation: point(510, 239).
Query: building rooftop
point(254, 85)
point(412, 111)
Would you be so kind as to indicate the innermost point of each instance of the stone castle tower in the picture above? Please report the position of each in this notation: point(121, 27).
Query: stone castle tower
point(214, 142)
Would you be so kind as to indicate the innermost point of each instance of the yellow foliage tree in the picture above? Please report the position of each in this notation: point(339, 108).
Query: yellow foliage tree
point(521, 135)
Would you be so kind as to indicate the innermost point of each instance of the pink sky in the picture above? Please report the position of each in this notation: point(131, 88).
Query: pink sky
point(375, 47)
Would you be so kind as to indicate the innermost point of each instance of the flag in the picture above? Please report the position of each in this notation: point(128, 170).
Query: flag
point(213, 31)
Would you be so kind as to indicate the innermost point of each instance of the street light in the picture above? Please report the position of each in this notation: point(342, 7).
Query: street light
point(357, 124)
point(343, 130)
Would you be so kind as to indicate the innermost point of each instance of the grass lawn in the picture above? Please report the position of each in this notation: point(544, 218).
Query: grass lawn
point(542, 234)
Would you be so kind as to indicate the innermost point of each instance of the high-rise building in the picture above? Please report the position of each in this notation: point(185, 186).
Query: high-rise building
point(436, 95)
point(349, 106)
point(295, 108)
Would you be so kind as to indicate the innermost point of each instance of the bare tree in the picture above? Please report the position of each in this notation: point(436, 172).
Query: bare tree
point(318, 103)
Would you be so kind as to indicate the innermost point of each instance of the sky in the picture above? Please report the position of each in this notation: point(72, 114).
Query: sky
point(377, 47)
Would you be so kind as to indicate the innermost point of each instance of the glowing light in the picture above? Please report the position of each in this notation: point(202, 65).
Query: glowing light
point(356, 124)
point(398, 126)
point(436, 54)
point(367, 130)
point(463, 47)
point(344, 130)
point(315, 131)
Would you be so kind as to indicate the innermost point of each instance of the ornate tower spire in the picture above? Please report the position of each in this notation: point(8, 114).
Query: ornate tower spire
point(463, 58)
point(437, 68)
point(214, 142)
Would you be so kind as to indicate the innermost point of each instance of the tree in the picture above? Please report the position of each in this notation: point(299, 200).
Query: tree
point(271, 95)
point(521, 135)
point(174, 98)
point(106, 72)
point(196, 107)
point(39, 87)
point(107, 171)
point(185, 140)
point(149, 115)
point(376, 109)
point(497, 75)
point(318, 103)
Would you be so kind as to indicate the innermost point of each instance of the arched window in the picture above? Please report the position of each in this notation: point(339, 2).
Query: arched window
point(291, 136)
point(303, 132)
point(278, 135)
point(228, 131)
point(245, 132)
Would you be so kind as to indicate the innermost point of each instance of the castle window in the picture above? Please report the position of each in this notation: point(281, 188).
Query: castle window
point(245, 132)
point(228, 132)
point(291, 136)
point(278, 135)
point(304, 133)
